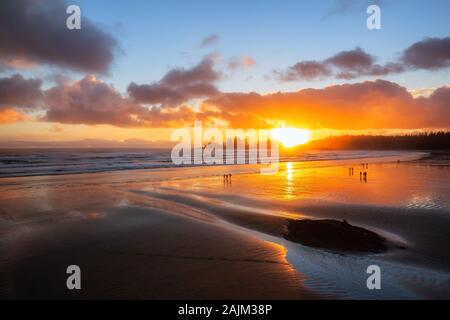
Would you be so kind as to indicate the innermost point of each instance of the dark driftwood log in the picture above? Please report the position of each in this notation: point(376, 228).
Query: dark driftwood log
point(334, 235)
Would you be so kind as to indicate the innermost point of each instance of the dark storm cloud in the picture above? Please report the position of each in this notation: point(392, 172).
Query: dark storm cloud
point(36, 31)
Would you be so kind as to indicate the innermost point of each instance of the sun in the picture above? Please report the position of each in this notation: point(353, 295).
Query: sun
point(291, 137)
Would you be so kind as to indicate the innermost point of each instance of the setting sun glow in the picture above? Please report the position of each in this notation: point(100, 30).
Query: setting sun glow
point(291, 137)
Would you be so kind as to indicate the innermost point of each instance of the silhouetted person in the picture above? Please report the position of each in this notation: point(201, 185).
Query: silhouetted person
point(365, 176)
point(360, 175)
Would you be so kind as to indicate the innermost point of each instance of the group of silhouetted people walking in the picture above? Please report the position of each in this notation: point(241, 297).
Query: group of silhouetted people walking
point(227, 178)
point(362, 174)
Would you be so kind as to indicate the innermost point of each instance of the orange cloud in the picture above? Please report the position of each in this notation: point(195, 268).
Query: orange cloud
point(17, 63)
point(360, 106)
point(10, 116)
point(368, 105)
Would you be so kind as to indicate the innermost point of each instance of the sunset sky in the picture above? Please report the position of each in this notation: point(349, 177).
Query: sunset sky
point(139, 69)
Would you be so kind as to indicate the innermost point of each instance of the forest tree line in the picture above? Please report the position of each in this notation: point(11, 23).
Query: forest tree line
point(418, 141)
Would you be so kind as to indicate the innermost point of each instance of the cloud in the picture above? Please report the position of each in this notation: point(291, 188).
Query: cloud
point(368, 105)
point(428, 54)
point(36, 32)
point(423, 92)
point(16, 63)
point(437, 104)
point(178, 86)
point(91, 101)
point(349, 64)
point(10, 116)
point(56, 128)
point(59, 78)
point(210, 40)
point(352, 60)
point(16, 91)
point(376, 104)
point(243, 62)
point(306, 70)
point(340, 7)
point(431, 53)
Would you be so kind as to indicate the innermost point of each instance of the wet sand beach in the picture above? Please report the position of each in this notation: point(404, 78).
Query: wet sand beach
point(176, 233)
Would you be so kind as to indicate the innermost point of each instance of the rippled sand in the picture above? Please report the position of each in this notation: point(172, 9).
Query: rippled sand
point(187, 233)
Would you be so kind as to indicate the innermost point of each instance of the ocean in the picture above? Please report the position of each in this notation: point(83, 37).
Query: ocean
point(39, 162)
